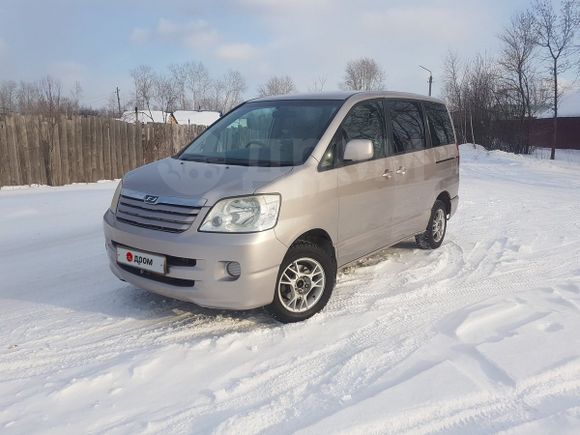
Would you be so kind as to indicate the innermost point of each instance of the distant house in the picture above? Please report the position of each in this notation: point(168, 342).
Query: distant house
point(181, 117)
point(148, 116)
point(195, 117)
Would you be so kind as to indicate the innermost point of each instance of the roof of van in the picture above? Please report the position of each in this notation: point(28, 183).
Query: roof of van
point(342, 96)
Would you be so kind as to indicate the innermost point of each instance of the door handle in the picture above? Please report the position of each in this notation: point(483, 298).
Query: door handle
point(388, 173)
point(402, 170)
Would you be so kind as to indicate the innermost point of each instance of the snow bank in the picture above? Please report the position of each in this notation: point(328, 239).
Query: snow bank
point(182, 117)
point(194, 117)
point(478, 336)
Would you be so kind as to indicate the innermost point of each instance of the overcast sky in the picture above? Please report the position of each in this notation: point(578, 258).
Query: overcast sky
point(98, 42)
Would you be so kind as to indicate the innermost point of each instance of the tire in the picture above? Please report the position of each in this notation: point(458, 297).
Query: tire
point(297, 295)
point(433, 237)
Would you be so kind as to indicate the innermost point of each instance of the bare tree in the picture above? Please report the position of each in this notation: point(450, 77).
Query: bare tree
point(233, 86)
point(187, 86)
point(454, 91)
point(516, 60)
point(277, 85)
point(72, 104)
point(480, 98)
point(363, 74)
point(8, 96)
point(521, 86)
point(473, 96)
point(179, 76)
point(165, 94)
point(28, 95)
point(224, 94)
point(50, 95)
point(318, 84)
point(199, 84)
point(555, 35)
point(453, 83)
point(144, 83)
point(44, 96)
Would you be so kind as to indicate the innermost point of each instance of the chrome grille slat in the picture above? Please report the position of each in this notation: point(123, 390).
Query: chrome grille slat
point(177, 209)
point(157, 220)
point(151, 227)
point(163, 216)
point(146, 214)
point(146, 223)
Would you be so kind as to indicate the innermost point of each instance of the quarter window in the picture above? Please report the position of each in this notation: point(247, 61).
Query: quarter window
point(439, 124)
point(407, 125)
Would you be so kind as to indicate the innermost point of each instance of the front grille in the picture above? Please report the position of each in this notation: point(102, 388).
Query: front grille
point(179, 282)
point(162, 216)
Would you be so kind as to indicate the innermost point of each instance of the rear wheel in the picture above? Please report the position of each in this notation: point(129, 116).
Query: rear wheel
point(305, 281)
point(436, 229)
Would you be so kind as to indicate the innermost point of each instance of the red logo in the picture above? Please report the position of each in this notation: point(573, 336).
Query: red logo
point(129, 257)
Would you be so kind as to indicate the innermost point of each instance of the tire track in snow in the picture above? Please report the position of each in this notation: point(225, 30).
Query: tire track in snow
point(380, 332)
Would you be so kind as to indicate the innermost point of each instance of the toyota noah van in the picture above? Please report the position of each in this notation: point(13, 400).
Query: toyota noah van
point(268, 203)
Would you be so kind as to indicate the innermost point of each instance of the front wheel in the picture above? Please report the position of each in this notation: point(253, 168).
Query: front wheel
point(305, 282)
point(436, 229)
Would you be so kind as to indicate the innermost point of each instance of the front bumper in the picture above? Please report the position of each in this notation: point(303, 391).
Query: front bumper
point(259, 255)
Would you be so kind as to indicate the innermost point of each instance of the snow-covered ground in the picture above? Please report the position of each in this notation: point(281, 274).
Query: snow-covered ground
point(569, 156)
point(482, 335)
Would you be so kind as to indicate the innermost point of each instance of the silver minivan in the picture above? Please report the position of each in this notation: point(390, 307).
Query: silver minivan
point(268, 203)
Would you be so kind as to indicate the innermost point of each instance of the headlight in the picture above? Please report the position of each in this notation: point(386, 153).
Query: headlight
point(116, 197)
point(247, 214)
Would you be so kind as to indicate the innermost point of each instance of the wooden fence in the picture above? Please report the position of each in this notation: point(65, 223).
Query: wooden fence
point(63, 150)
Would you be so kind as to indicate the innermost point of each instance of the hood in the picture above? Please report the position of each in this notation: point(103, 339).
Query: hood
point(204, 182)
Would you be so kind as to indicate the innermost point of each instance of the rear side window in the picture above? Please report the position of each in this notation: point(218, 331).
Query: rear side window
point(407, 125)
point(364, 121)
point(439, 124)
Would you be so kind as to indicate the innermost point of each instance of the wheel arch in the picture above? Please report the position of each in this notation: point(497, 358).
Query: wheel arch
point(320, 238)
point(446, 199)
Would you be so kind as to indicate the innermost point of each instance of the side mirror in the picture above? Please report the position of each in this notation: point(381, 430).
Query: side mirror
point(358, 150)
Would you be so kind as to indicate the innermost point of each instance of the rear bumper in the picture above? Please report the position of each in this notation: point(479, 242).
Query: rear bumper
point(259, 255)
point(454, 205)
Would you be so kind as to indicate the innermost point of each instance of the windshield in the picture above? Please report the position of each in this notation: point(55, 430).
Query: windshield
point(269, 133)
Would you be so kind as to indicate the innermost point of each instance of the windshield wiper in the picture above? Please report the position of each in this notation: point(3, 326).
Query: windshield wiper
point(265, 163)
point(232, 161)
point(193, 158)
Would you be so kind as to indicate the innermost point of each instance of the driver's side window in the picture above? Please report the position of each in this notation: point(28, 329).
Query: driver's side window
point(364, 121)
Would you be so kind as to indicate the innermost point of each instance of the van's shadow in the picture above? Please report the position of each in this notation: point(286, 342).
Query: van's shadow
point(405, 244)
point(132, 302)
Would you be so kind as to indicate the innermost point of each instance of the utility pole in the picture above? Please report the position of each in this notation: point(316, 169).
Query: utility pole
point(430, 77)
point(118, 100)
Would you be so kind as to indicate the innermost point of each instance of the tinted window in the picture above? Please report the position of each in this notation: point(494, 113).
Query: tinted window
point(407, 125)
point(439, 124)
point(364, 121)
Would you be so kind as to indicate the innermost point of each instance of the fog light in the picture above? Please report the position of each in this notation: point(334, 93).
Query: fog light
point(233, 269)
